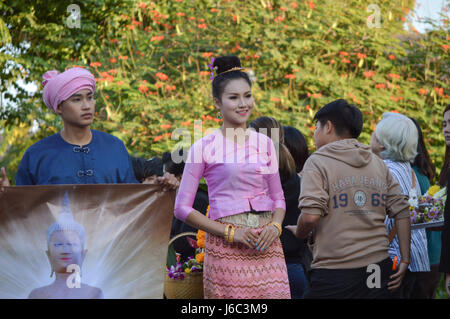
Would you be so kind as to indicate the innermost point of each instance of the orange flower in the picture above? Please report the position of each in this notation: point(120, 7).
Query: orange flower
point(361, 55)
point(439, 91)
point(186, 123)
point(311, 5)
point(290, 76)
point(343, 53)
point(204, 73)
point(275, 99)
point(202, 26)
point(380, 86)
point(142, 5)
point(445, 47)
point(181, 14)
point(125, 57)
point(214, 10)
point(143, 87)
point(166, 126)
point(294, 5)
point(120, 83)
point(170, 88)
point(157, 38)
point(113, 60)
point(394, 76)
point(317, 95)
point(344, 60)
point(161, 76)
point(391, 57)
point(307, 107)
point(278, 19)
point(158, 85)
point(158, 138)
point(95, 64)
point(369, 74)
point(207, 54)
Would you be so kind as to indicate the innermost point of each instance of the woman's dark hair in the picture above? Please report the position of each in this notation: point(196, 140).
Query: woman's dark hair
point(444, 171)
point(223, 64)
point(346, 118)
point(286, 162)
point(171, 164)
point(297, 146)
point(422, 160)
point(146, 168)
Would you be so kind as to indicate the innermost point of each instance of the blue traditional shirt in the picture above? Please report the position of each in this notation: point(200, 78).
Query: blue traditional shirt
point(52, 160)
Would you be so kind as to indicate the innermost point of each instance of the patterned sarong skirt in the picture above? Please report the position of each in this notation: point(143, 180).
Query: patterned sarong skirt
point(233, 271)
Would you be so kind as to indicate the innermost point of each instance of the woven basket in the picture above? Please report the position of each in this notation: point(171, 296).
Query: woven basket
point(191, 287)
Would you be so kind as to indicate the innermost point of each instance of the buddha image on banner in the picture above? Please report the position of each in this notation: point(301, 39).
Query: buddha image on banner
point(84, 241)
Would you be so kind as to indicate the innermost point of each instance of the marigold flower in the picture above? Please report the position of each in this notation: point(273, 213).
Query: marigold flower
point(343, 53)
point(369, 74)
point(344, 60)
point(394, 76)
point(391, 57)
point(158, 138)
point(95, 64)
point(290, 76)
point(202, 26)
point(200, 257)
point(380, 86)
point(311, 5)
point(113, 60)
point(445, 47)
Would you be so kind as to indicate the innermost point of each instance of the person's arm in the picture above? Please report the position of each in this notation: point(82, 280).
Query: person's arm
point(307, 221)
point(271, 232)
point(403, 226)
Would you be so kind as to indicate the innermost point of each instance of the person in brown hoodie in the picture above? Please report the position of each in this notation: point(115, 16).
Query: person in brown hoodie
point(346, 192)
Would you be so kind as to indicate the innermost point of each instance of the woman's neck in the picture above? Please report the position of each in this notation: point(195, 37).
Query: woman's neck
point(77, 135)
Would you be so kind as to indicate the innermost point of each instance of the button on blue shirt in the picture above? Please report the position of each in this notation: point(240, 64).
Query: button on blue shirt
point(52, 160)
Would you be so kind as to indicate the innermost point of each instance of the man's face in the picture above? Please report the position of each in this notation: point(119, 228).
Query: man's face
point(78, 110)
point(319, 135)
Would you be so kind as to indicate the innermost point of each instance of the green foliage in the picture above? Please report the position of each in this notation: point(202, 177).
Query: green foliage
point(151, 64)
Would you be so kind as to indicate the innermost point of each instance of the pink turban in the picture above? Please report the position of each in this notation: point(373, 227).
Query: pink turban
point(58, 87)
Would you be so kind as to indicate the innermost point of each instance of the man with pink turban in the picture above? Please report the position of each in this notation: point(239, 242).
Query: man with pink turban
point(77, 154)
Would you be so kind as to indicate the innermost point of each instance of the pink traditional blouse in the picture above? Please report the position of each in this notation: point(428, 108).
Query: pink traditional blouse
point(239, 176)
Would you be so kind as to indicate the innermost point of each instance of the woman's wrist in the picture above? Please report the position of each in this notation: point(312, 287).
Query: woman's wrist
point(277, 226)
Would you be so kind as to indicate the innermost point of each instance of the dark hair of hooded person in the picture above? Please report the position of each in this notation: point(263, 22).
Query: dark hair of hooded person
point(297, 146)
point(423, 160)
point(286, 162)
point(346, 118)
point(223, 74)
point(146, 168)
point(174, 162)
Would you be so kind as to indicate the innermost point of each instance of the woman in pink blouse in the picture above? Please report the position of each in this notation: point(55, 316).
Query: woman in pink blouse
point(244, 257)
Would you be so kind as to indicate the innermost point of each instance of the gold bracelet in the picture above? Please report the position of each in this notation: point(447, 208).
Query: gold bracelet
point(227, 232)
point(231, 235)
point(278, 226)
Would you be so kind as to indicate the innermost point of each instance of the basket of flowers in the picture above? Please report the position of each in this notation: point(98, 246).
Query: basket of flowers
point(184, 279)
point(428, 210)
